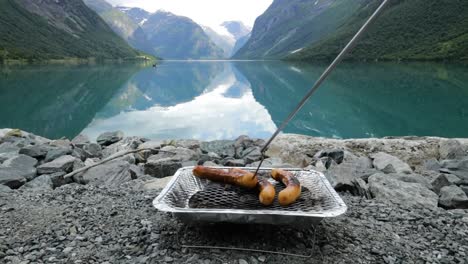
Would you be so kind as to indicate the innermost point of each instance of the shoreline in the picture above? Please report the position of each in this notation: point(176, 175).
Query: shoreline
point(407, 200)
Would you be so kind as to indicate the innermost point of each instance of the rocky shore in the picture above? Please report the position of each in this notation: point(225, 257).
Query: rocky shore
point(407, 200)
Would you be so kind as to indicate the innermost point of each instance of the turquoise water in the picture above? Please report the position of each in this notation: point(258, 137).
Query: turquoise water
point(222, 100)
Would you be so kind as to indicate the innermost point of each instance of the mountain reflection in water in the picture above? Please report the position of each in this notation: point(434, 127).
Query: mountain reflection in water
point(222, 100)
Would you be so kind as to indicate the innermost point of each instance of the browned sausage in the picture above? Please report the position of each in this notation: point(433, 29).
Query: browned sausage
point(267, 192)
point(232, 176)
point(293, 186)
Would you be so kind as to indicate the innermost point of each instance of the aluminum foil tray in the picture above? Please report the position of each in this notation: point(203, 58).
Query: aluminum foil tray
point(192, 199)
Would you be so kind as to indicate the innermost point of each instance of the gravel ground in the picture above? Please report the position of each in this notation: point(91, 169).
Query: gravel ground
point(88, 224)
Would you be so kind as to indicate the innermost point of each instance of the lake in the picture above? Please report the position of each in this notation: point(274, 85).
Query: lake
point(222, 100)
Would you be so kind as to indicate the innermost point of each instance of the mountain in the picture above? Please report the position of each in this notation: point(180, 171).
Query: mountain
point(51, 29)
point(240, 43)
point(138, 15)
point(123, 25)
point(225, 42)
point(236, 28)
point(178, 37)
point(290, 25)
point(406, 30)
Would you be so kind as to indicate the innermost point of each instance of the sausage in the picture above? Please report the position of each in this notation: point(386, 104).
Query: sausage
point(232, 176)
point(293, 186)
point(267, 192)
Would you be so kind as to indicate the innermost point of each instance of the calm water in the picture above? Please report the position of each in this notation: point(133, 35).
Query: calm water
point(222, 100)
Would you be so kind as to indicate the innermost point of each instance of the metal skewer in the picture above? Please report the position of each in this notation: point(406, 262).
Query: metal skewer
point(322, 78)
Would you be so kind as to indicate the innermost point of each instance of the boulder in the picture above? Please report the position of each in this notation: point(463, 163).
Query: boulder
point(451, 149)
point(360, 188)
point(36, 151)
point(64, 163)
point(251, 154)
point(335, 154)
point(63, 143)
point(8, 147)
point(108, 138)
point(464, 188)
point(112, 173)
point(92, 150)
point(129, 143)
point(458, 168)
point(58, 179)
point(453, 197)
point(80, 140)
point(162, 167)
point(389, 188)
point(183, 143)
point(389, 164)
point(341, 176)
point(224, 148)
point(57, 152)
point(15, 171)
point(42, 182)
point(432, 165)
point(440, 182)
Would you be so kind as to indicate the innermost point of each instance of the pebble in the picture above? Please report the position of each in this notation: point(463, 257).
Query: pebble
point(67, 250)
point(243, 261)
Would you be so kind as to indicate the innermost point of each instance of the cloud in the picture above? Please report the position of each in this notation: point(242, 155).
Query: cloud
point(205, 12)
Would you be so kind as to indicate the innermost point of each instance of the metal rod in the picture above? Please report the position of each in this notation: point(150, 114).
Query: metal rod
point(325, 74)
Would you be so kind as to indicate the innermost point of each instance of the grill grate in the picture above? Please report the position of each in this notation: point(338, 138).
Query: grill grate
point(191, 195)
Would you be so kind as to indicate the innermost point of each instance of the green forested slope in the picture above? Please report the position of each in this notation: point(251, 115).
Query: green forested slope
point(289, 25)
point(57, 30)
point(407, 30)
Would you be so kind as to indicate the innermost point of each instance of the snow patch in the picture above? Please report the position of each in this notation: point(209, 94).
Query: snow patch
point(143, 22)
point(296, 51)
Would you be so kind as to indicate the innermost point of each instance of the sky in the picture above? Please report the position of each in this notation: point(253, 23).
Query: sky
point(205, 12)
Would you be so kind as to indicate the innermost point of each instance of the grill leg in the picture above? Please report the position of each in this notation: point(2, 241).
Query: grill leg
point(313, 240)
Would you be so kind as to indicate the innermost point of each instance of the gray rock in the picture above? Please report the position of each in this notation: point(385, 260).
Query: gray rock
point(271, 163)
point(235, 163)
point(57, 152)
point(211, 164)
point(151, 145)
point(389, 164)
point(335, 154)
point(15, 171)
point(157, 184)
point(451, 149)
point(58, 179)
point(112, 173)
point(8, 147)
point(224, 148)
point(464, 188)
point(108, 138)
point(184, 143)
point(129, 143)
point(412, 178)
point(432, 165)
point(78, 164)
point(36, 151)
point(251, 154)
point(43, 182)
point(361, 188)
point(458, 168)
point(387, 187)
point(80, 140)
point(162, 167)
point(440, 182)
point(453, 197)
point(92, 150)
point(242, 261)
point(5, 189)
point(64, 163)
point(341, 176)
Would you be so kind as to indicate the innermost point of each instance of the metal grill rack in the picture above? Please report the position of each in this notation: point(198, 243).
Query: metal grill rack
point(192, 199)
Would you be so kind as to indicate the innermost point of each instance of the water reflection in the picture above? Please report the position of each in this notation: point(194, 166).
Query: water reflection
point(222, 100)
point(57, 101)
point(225, 109)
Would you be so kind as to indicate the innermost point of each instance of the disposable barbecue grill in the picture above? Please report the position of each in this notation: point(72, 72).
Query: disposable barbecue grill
point(190, 198)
